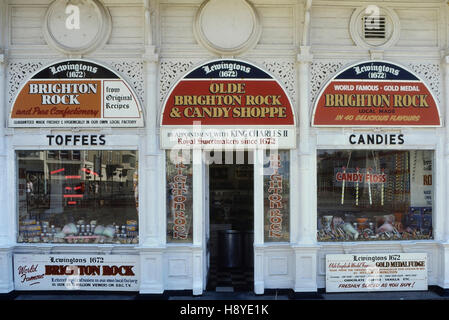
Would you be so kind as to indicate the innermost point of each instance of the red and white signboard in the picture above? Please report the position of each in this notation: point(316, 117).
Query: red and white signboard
point(76, 272)
point(376, 272)
point(376, 94)
point(227, 103)
point(76, 93)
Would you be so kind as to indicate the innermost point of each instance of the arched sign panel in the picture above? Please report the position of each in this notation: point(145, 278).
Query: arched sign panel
point(76, 93)
point(376, 94)
point(228, 103)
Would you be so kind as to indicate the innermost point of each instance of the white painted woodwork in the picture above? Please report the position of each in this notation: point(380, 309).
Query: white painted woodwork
point(152, 44)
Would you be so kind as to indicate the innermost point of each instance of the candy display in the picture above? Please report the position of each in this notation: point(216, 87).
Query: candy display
point(419, 226)
point(131, 228)
point(70, 229)
point(39, 231)
point(30, 228)
point(368, 195)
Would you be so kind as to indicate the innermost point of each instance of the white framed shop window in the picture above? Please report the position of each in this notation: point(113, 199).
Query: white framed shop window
point(277, 193)
point(74, 194)
point(180, 193)
point(381, 186)
point(63, 199)
point(369, 195)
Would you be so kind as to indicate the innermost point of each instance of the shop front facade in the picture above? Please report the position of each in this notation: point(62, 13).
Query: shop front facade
point(151, 146)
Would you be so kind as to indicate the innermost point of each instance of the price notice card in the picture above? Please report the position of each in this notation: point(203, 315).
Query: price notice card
point(376, 272)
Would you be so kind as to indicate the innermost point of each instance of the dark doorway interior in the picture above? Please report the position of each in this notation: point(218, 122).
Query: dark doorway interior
point(231, 225)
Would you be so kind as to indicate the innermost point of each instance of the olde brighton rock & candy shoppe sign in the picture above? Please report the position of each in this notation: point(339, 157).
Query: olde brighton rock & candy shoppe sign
point(228, 102)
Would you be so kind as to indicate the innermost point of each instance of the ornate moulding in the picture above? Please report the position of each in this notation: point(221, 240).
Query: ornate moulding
point(76, 27)
point(392, 27)
point(227, 28)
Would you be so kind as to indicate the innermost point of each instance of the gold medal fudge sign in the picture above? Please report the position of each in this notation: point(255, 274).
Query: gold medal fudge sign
point(376, 272)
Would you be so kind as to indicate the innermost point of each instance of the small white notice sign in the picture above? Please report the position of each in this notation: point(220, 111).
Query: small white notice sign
point(376, 272)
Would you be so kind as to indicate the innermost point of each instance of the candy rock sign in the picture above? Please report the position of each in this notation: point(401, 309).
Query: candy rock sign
point(227, 102)
point(376, 94)
point(76, 93)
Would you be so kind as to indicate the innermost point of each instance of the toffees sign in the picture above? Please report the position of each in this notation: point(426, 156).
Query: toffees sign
point(227, 103)
point(376, 94)
point(76, 93)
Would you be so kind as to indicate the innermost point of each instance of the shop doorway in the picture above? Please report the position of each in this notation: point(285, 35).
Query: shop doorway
point(231, 223)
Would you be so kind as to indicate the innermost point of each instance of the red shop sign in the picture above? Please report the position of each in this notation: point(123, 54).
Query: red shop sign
point(227, 92)
point(227, 103)
point(76, 93)
point(376, 94)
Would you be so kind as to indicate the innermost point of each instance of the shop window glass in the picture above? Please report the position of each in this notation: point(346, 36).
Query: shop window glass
point(277, 196)
point(70, 200)
point(52, 154)
point(179, 197)
point(367, 195)
point(76, 155)
point(64, 155)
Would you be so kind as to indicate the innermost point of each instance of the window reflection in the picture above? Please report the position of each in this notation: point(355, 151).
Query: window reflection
point(277, 196)
point(374, 195)
point(77, 196)
point(179, 198)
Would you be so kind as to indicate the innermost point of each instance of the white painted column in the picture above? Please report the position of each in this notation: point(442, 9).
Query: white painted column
point(6, 241)
point(151, 194)
point(206, 222)
point(198, 222)
point(443, 219)
point(440, 186)
point(4, 220)
point(151, 270)
point(4, 108)
point(445, 222)
point(259, 285)
point(306, 233)
point(305, 247)
point(6, 228)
